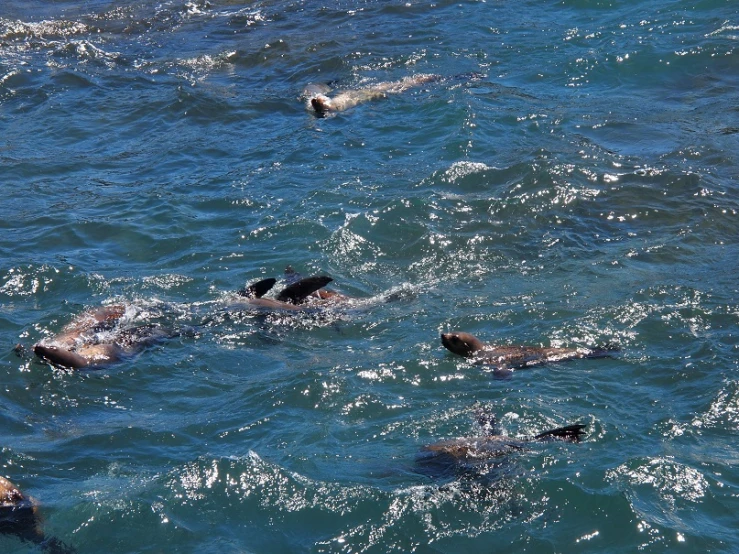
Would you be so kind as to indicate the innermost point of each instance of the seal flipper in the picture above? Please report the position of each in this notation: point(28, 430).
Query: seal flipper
point(60, 356)
point(569, 433)
point(297, 292)
point(258, 289)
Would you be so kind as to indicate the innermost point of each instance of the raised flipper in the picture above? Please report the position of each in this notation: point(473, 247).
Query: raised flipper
point(297, 292)
point(571, 433)
point(258, 289)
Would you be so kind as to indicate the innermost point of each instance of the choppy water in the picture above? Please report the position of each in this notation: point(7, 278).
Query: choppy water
point(580, 190)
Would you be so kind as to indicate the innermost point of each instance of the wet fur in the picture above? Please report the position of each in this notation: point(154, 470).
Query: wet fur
point(514, 357)
point(322, 104)
point(469, 455)
point(77, 346)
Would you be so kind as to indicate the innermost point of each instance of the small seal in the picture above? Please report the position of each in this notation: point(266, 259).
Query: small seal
point(316, 96)
point(515, 357)
point(19, 517)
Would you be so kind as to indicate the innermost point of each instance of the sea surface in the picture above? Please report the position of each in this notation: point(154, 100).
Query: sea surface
point(570, 180)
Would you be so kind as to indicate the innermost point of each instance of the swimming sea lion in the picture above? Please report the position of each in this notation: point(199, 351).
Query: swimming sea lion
point(19, 517)
point(466, 453)
point(323, 105)
point(514, 357)
point(95, 338)
point(493, 446)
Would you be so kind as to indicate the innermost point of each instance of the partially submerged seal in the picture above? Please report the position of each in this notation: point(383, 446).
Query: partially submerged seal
point(317, 99)
point(515, 357)
point(19, 517)
point(463, 454)
point(95, 338)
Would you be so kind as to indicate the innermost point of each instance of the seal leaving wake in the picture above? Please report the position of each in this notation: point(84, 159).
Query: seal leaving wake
point(515, 357)
point(317, 99)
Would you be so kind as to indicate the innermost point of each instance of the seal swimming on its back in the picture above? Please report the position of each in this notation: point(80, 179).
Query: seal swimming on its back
point(95, 339)
point(515, 357)
point(19, 517)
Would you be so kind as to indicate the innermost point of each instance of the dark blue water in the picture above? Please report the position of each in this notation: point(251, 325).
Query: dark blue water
point(577, 185)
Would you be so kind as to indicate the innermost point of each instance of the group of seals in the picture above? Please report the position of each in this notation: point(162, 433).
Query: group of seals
point(460, 453)
point(97, 338)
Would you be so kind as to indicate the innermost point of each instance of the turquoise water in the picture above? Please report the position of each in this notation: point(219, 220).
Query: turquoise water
point(576, 187)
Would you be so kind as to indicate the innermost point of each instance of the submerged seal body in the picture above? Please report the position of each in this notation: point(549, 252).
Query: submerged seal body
point(318, 100)
point(462, 455)
point(19, 517)
point(95, 338)
point(514, 357)
point(493, 446)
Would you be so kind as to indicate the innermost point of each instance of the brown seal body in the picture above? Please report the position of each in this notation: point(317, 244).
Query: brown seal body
point(317, 99)
point(493, 446)
point(17, 513)
point(94, 339)
point(514, 357)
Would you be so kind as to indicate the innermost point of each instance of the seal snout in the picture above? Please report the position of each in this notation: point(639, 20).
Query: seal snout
point(321, 103)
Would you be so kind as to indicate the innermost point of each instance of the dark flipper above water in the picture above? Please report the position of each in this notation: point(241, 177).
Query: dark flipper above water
point(258, 289)
point(297, 292)
point(571, 433)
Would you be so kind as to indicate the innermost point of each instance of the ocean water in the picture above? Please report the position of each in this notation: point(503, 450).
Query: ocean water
point(572, 180)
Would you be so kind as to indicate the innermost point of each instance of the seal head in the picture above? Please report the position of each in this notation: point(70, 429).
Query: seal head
point(463, 344)
point(322, 104)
